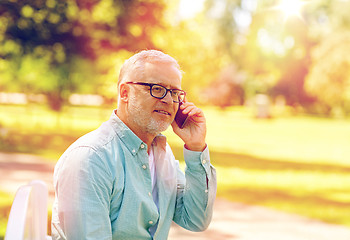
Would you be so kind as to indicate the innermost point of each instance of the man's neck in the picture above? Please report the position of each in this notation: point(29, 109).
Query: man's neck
point(144, 136)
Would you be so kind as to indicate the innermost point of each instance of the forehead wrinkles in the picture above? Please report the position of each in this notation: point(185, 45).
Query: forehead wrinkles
point(164, 74)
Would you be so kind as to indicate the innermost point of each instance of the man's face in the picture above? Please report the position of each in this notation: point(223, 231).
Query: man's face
point(149, 114)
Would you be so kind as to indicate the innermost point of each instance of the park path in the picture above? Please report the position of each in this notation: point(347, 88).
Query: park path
point(234, 221)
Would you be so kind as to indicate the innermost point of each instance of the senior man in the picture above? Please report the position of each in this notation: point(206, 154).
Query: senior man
point(121, 181)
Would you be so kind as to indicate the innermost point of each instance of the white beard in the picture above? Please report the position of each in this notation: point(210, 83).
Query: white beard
point(144, 120)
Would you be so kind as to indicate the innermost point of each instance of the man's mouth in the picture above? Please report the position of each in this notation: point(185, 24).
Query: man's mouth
point(162, 112)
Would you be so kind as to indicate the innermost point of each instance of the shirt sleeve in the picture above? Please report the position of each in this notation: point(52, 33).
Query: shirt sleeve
point(196, 191)
point(83, 192)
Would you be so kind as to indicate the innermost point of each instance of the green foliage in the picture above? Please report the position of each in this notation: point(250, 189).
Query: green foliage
point(273, 50)
point(86, 28)
point(191, 44)
point(329, 77)
point(59, 47)
point(55, 47)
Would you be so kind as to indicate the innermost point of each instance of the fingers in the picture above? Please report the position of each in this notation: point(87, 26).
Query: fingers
point(194, 132)
point(190, 109)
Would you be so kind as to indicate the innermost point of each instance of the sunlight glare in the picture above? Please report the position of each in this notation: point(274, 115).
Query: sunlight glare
point(291, 7)
point(189, 9)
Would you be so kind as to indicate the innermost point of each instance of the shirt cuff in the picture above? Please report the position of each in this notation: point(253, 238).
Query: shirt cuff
point(197, 160)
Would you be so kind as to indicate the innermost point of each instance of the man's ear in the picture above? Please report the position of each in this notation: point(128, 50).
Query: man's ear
point(124, 90)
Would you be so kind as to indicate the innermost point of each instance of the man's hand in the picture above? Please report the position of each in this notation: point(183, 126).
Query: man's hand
point(195, 129)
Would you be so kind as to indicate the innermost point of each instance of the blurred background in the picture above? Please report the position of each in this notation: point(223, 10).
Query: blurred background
point(273, 77)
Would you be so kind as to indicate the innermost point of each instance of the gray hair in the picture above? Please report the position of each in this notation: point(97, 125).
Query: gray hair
point(135, 65)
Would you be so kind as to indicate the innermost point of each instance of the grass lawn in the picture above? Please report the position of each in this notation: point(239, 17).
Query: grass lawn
point(5, 206)
point(298, 164)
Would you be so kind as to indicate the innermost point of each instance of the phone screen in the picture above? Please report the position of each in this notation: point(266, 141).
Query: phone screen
point(180, 118)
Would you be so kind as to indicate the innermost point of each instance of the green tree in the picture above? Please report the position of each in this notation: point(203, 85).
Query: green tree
point(329, 77)
point(192, 42)
point(52, 46)
point(238, 25)
point(273, 50)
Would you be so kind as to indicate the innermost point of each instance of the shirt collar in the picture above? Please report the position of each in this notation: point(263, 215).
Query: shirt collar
point(130, 139)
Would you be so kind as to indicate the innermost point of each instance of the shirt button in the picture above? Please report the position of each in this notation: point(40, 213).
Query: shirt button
point(144, 166)
point(204, 161)
point(142, 146)
point(133, 150)
point(150, 222)
point(149, 194)
point(206, 191)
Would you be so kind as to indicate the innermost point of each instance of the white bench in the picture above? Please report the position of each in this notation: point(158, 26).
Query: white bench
point(28, 215)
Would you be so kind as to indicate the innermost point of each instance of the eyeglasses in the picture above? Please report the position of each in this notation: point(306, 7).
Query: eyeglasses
point(159, 91)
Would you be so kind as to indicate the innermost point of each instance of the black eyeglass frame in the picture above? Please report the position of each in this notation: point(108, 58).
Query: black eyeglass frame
point(150, 85)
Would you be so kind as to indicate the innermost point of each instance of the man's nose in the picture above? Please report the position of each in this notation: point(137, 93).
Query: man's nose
point(167, 98)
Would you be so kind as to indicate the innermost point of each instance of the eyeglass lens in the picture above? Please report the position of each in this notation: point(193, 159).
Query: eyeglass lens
point(160, 92)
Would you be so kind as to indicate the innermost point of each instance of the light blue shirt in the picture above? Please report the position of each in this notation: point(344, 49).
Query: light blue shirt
point(103, 187)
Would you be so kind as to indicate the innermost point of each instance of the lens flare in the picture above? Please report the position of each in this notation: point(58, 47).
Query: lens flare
point(291, 7)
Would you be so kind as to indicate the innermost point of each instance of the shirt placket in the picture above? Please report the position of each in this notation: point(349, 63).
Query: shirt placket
point(144, 164)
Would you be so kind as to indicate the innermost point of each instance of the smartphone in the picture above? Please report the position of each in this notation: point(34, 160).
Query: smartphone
point(180, 118)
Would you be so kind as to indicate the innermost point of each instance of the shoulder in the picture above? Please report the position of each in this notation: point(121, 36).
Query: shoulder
point(97, 138)
point(96, 147)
